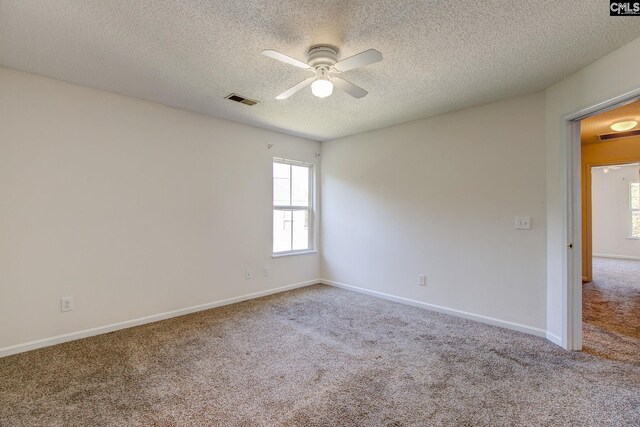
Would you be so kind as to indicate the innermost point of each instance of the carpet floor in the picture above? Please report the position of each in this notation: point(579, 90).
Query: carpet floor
point(611, 310)
point(317, 356)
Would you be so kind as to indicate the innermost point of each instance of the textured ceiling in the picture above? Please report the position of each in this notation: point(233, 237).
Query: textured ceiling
point(600, 124)
point(438, 55)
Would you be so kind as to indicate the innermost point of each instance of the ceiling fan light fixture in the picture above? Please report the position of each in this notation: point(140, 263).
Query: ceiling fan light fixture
point(322, 60)
point(624, 126)
point(322, 88)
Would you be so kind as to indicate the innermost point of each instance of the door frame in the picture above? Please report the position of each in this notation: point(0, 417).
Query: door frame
point(572, 262)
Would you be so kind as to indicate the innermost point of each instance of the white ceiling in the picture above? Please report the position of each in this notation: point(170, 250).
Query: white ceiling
point(438, 55)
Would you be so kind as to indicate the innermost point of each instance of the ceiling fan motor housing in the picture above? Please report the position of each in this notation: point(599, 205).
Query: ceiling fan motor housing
point(322, 55)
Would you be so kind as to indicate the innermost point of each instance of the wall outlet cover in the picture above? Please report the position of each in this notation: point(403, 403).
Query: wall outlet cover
point(66, 304)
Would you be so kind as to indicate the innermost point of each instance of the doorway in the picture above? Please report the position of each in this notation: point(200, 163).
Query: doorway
point(610, 166)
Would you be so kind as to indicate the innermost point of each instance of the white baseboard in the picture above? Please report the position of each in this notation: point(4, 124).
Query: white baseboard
point(445, 310)
point(616, 256)
point(554, 339)
point(46, 342)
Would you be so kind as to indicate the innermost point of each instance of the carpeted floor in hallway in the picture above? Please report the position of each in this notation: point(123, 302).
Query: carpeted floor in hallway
point(317, 356)
point(611, 310)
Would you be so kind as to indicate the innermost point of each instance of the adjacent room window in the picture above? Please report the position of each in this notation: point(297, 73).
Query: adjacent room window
point(634, 209)
point(292, 207)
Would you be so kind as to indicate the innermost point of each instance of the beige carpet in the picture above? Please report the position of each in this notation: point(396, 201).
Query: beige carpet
point(611, 310)
point(317, 356)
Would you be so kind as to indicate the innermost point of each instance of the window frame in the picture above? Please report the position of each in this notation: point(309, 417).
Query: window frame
point(310, 209)
point(632, 209)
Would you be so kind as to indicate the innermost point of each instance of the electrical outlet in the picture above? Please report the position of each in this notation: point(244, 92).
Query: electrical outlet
point(247, 274)
point(66, 304)
point(422, 280)
point(266, 272)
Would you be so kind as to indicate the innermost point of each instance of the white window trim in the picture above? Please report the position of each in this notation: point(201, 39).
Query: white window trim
point(631, 211)
point(310, 208)
point(291, 253)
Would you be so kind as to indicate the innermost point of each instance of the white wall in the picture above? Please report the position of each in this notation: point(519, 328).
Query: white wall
point(439, 196)
point(131, 207)
point(610, 215)
point(611, 76)
point(164, 215)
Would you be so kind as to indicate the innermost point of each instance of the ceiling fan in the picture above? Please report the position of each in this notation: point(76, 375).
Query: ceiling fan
point(322, 60)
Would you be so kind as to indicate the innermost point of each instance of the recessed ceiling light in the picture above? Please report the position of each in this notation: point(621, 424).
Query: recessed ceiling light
point(624, 126)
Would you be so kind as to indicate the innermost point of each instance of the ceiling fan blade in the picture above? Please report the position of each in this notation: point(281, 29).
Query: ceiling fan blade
point(284, 58)
point(350, 88)
point(287, 93)
point(362, 59)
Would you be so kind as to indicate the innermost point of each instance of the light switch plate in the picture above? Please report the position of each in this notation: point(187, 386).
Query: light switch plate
point(422, 280)
point(523, 223)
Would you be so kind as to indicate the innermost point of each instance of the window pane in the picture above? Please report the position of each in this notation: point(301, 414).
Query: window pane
point(635, 224)
point(300, 230)
point(282, 221)
point(634, 195)
point(300, 185)
point(281, 186)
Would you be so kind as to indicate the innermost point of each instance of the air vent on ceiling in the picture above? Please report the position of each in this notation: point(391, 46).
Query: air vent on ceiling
point(617, 135)
point(241, 99)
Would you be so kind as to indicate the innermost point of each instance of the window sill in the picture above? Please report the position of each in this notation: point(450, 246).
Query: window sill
point(285, 254)
point(633, 238)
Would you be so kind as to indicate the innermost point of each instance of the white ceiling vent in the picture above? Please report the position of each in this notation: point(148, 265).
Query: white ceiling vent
point(241, 99)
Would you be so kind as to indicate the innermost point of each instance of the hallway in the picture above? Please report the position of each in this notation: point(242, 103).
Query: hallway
point(611, 310)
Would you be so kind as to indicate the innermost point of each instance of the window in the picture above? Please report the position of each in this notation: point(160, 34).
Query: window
point(634, 209)
point(292, 207)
